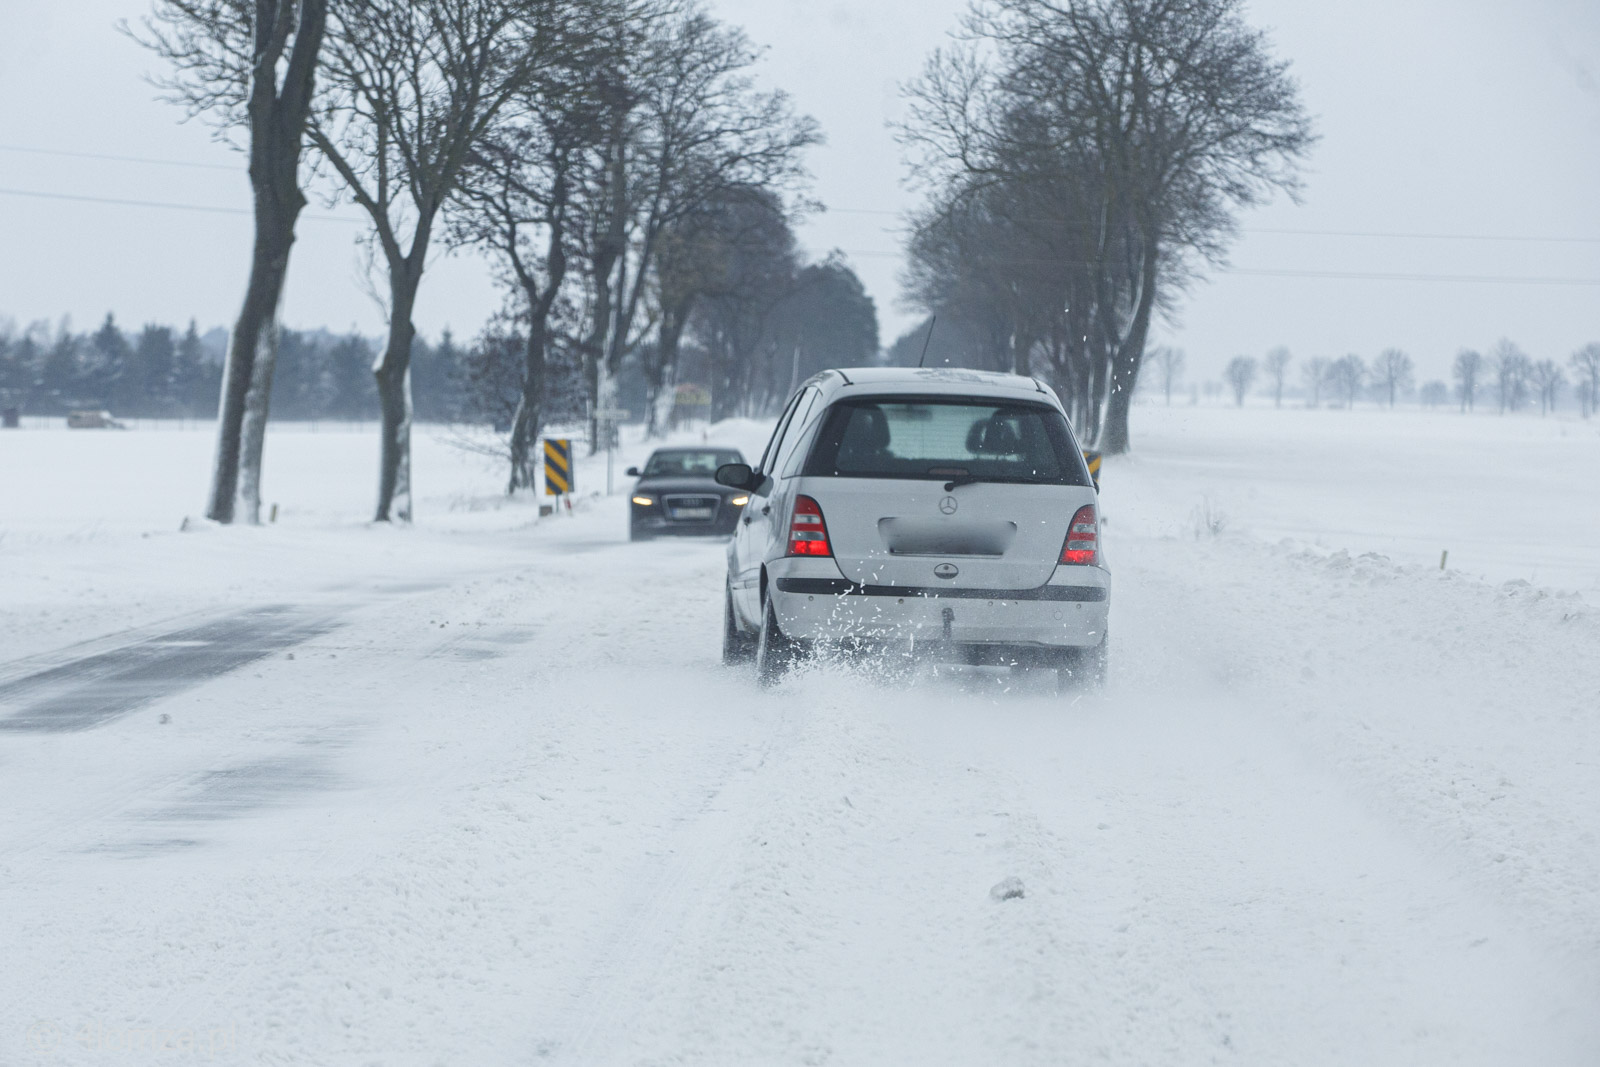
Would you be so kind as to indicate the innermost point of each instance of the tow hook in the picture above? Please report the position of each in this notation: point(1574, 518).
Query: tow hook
point(949, 616)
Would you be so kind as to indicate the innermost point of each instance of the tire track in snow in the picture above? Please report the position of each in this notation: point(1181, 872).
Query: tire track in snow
point(647, 930)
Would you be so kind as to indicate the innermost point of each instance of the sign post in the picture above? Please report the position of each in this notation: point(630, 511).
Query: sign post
point(558, 480)
point(606, 420)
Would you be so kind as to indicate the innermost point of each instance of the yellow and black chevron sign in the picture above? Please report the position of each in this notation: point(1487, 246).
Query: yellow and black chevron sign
point(557, 466)
point(1093, 460)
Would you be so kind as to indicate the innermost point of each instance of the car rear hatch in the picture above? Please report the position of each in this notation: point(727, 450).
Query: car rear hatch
point(946, 491)
point(912, 533)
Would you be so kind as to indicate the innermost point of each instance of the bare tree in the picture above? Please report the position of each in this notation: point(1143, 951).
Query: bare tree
point(414, 86)
point(1169, 365)
point(1277, 365)
point(687, 124)
point(1315, 373)
point(1392, 372)
point(757, 272)
point(1434, 394)
point(1512, 369)
point(248, 65)
point(519, 195)
point(1240, 373)
point(1151, 120)
point(1467, 366)
point(1347, 376)
point(1586, 365)
point(1548, 379)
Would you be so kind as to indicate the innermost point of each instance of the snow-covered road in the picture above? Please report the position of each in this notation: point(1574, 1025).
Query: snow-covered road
point(1330, 811)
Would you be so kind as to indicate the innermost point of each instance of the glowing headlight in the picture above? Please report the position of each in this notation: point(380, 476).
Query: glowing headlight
point(643, 501)
point(739, 501)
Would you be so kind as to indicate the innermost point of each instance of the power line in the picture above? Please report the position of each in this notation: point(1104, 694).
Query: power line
point(1247, 271)
point(165, 205)
point(1386, 234)
point(120, 159)
point(1494, 279)
point(1326, 274)
point(1285, 231)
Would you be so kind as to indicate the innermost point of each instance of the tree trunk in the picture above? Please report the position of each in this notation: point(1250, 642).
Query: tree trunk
point(664, 374)
point(393, 375)
point(530, 406)
point(253, 431)
point(1114, 437)
point(277, 131)
point(254, 333)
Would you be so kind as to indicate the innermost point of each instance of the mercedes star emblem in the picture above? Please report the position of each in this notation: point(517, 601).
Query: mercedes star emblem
point(948, 505)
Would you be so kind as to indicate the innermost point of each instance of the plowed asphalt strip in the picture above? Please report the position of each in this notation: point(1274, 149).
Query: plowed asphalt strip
point(92, 691)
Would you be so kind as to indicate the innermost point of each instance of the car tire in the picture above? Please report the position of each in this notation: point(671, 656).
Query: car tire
point(1084, 668)
point(635, 534)
point(775, 653)
point(738, 647)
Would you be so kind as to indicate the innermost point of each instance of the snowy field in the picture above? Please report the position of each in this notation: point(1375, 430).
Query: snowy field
point(479, 791)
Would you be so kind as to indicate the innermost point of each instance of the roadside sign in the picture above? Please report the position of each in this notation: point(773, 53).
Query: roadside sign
point(1093, 459)
point(557, 466)
point(613, 414)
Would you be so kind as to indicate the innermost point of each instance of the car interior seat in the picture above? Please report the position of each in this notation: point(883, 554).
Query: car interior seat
point(996, 435)
point(865, 443)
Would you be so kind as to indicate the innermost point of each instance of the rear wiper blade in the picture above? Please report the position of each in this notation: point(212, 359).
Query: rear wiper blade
point(968, 479)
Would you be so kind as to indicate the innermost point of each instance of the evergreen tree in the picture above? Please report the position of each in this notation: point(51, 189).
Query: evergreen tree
point(350, 379)
point(194, 387)
point(27, 358)
point(12, 374)
point(147, 385)
point(60, 370)
point(107, 365)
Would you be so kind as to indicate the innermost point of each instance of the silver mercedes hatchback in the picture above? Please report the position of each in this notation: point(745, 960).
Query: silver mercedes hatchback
point(946, 512)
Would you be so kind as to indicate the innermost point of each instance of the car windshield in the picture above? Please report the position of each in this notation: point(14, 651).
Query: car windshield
point(689, 463)
point(980, 438)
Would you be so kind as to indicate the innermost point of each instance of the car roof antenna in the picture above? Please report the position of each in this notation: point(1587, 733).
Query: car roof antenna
point(931, 323)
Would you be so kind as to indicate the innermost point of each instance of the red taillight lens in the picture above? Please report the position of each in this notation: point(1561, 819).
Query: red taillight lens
point(808, 534)
point(1083, 538)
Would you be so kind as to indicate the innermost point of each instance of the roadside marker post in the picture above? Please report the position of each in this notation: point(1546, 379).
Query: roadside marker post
point(558, 480)
point(1093, 458)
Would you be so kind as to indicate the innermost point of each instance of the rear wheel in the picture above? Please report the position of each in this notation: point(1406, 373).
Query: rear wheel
point(1084, 668)
point(738, 647)
point(775, 653)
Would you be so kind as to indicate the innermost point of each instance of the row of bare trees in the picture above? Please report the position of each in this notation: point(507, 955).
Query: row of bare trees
point(1082, 161)
point(1514, 379)
point(606, 153)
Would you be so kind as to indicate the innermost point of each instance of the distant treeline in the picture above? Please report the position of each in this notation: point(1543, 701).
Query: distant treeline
point(162, 372)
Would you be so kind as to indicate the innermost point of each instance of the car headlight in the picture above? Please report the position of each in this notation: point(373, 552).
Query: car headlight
point(643, 501)
point(739, 501)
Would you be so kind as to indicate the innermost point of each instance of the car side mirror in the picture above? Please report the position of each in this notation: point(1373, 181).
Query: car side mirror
point(736, 476)
point(632, 472)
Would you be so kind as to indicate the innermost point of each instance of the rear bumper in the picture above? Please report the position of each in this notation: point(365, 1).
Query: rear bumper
point(1070, 611)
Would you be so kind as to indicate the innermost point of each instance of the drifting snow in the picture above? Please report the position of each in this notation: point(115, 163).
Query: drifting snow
point(1334, 807)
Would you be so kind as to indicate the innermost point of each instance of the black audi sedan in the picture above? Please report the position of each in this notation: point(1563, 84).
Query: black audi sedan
point(677, 495)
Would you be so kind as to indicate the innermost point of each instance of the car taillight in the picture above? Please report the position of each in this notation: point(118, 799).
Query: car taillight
point(1083, 538)
point(808, 534)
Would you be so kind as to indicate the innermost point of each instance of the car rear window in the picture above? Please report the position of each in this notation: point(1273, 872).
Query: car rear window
point(946, 437)
point(689, 464)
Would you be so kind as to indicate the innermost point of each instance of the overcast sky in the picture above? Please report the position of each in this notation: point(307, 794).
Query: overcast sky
point(1462, 120)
